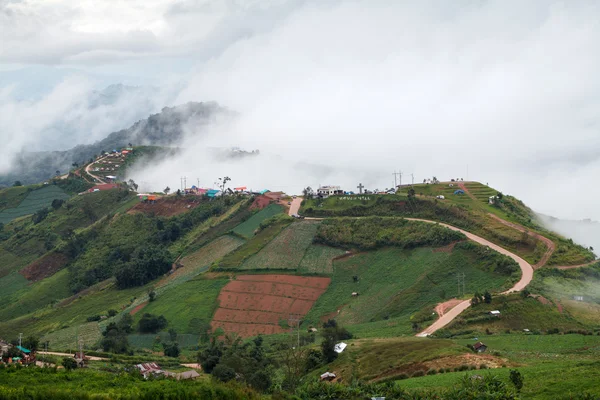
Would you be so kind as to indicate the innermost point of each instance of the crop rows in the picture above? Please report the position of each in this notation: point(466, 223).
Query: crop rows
point(34, 201)
point(246, 229)
point(319, 259)
point(287, 249)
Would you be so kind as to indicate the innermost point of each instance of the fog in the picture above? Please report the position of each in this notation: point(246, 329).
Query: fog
point(342, 92)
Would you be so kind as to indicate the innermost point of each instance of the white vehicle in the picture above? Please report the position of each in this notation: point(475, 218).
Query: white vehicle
point(441, 197)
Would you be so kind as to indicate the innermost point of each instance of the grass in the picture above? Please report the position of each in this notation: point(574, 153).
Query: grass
point(33, 202)
point(201, 260)
point(68, 339)
point(394, 285)
point(187, 306)
point(246, 229)
point(374, 360)
point(553, 366)
point(287, 250)
point(318, 259)
point(235, 259)
point(148, 341)
point(10, 284)
point(11, 197)
point(35, 296)
point(516, 314)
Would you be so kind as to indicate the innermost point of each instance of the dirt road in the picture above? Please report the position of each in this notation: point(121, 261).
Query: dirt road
point(526, 277)
point(87, 169)
point(295, 206)
point(51, 353)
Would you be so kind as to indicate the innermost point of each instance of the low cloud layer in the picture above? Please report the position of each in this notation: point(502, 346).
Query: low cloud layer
point(344, 92)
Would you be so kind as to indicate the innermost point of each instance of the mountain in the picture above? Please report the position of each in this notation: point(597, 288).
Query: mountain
point(166, 128)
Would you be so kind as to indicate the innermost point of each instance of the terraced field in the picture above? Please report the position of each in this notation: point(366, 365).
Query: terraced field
point(201, 260)
point(246, 229)
point(34, 201)
point(480, 191)
point(287, 250)
point(319, 259)
point(67, 339)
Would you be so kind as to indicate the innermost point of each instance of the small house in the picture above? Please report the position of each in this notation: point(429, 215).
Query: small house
point(459, 192)
point(340, 347)
point(191, 374)
point(327, 376)
point(440, 196)
point(492, 200)
point(312, 329)
point(479, 347)
point(495, 313)
point(326, 191)
point(578, 298)
point(354, 294)
point(213, 193)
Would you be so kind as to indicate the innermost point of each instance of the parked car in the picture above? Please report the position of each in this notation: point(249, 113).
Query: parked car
point(289, 203)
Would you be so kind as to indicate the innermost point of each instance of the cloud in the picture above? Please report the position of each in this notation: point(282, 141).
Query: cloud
point(505, 88)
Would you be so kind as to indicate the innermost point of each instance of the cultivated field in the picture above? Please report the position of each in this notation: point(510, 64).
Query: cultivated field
point(318, 259)
point(286, 250)
point(262, 304)
point(34, 201)
point(246, 229)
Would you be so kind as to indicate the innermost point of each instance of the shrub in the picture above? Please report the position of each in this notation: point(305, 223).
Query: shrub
point(151, 323)
point(223, 373)
point(93, 318)
point(418, 373)
point(483, 366)
point(432, 372)
point(402, 376)
point(69, 363)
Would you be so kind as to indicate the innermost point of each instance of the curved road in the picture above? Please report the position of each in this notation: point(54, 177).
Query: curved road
point(526, 277)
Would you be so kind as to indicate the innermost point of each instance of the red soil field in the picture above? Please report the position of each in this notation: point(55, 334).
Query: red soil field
point(255, 304)
point(45, 266)
point(260, 202)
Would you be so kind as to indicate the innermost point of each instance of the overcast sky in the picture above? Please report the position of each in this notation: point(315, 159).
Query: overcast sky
point(508, 88)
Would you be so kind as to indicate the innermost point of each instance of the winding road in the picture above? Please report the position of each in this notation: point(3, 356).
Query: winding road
point(526, 276)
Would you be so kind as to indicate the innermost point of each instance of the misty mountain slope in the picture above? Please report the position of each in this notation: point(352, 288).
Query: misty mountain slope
point(166, 128)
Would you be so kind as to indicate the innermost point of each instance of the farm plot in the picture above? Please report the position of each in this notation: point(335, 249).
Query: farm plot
point(262, 304)
point(67, 338)
point(319, 259)
point(201, 260)
point(246, 229)
point(287, 249)
point(34, 201)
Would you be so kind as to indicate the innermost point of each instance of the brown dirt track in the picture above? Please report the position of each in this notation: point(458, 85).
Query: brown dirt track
point(255, 304)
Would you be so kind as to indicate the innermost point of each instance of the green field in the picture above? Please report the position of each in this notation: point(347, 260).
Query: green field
point(189, 306)
point(11, 197)
point(148, 341)
point(395, 284)
point(235, 259)
point(286, 250)
point(246, 229)
point(33, 202)
point(318, 259)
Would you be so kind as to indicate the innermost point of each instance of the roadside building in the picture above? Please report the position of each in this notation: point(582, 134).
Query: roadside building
point(329, 190)
point(479, 347)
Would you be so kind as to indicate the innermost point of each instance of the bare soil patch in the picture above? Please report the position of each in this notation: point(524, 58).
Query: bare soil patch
point(45, 266)
point(167, 206)
point(441, 308)
point(137, 308)
point(260, 202)
point(257, 304)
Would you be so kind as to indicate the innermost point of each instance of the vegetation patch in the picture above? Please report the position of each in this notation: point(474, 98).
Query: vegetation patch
point(34, 201)
point(318, 259)
point(373, 232)
point(247, 228)
point(287, 250)
point(45, 266)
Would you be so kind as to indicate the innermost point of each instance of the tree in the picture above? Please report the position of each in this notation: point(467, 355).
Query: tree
point(223, 373)
point(151, 296)
point(173, 334)
point(132, 185)
point(31, 343)
point(57, 203)
point(39, 216)
point(167, 190)
point(308, 192)
point(517, 379)
point(75, 165)
point(525, 293)
point(223, 184)
point(129, 144)
point(487, 297)
point(69, 363)
point(112, 313)
point(328, 346)
point(171, 349)
point(151, 323)
point(17, 183)
point(57, 172)
point(411, 192)
point(499, 195)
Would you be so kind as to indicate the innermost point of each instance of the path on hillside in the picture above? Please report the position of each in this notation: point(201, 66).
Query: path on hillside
point(295, 206)
point(550, 246)
point(52, 353)
point(577, 266)
point(87, 169)
point(526, 276)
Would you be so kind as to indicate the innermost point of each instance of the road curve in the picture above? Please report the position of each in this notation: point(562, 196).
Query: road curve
point(526, 276)
point(295, 206)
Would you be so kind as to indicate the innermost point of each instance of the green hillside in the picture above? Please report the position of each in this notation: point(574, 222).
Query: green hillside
point(35, 200)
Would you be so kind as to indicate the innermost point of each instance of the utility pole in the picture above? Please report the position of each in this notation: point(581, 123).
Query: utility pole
point(413, 179)
point(20, 338)
point(184, 182)
point(460, 275)
point(396, 175)
point(198, 180)
point(295, 318)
